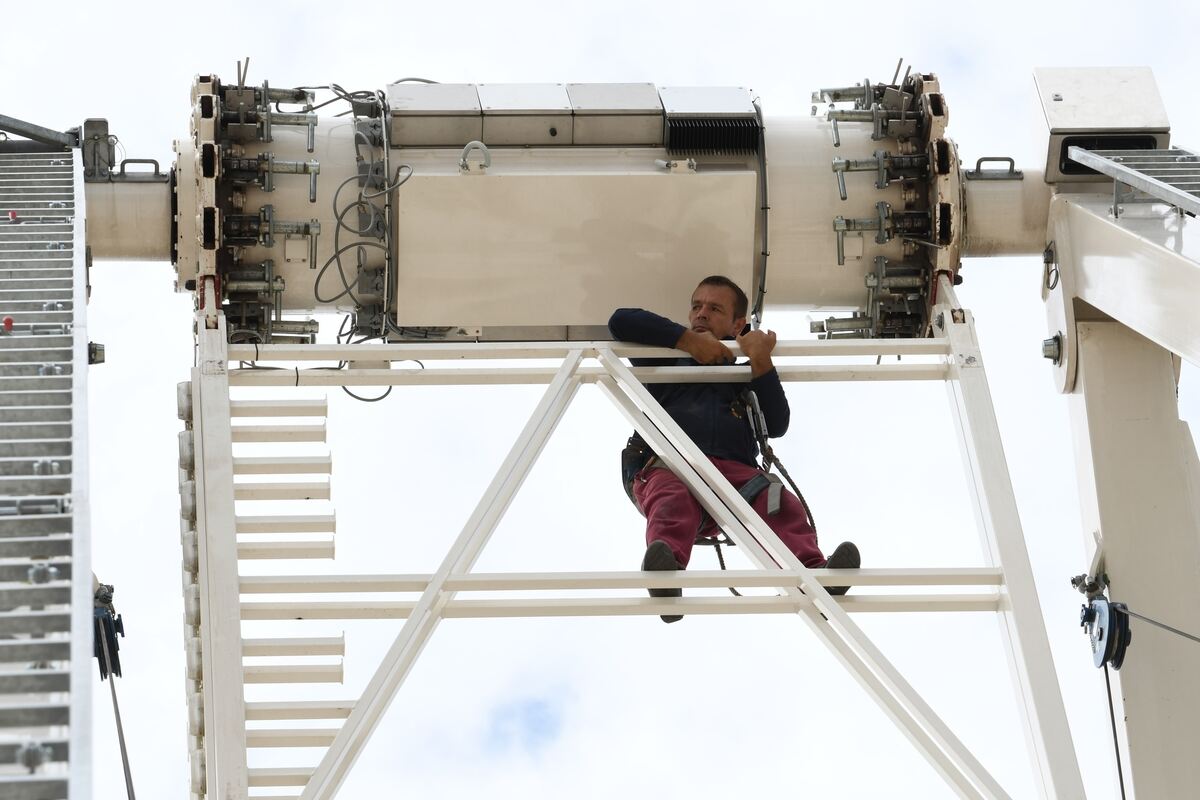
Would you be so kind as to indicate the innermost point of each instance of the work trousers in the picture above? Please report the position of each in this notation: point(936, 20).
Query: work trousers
point(674, 516)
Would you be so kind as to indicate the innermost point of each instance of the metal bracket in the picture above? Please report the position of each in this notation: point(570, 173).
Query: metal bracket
point(880, 225)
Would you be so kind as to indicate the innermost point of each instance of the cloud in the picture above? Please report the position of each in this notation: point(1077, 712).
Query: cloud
point(527, 724)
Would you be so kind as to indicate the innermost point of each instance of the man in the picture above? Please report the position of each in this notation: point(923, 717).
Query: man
point(715, 416)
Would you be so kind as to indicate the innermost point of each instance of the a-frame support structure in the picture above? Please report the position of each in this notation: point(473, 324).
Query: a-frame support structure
point(955, 359)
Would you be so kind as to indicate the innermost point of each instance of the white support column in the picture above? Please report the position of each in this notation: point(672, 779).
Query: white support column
point(381, 690)
point(895, 696)
point(80, 747)
point(1047, 733)
point(1137, 470)
point(220, 612)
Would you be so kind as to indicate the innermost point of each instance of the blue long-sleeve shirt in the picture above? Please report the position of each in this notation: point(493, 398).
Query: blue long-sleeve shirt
point(712, 414)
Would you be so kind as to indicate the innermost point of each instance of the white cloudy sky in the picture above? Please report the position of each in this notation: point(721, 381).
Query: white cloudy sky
point(711, 707)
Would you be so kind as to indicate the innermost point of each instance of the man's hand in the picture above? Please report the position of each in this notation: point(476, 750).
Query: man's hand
point(705, 348)
point(757, 346)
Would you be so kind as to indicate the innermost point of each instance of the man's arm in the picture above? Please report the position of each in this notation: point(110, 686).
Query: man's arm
point(646, 327)
point(764, 380)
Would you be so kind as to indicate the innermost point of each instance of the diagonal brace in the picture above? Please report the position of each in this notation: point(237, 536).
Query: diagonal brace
point(898, 699)
point(423, 620)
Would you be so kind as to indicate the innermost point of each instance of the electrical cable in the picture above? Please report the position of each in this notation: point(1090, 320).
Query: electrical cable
point(1112, 718)
point(1164, 626)
point(764, 208)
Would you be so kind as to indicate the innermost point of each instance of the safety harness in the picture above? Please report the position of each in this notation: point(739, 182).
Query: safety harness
point(637, 456)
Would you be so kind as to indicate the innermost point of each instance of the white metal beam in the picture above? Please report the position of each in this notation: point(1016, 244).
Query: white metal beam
point(1142, 269)
point(220, 631)
point(895, 696)
point(1139, 483)
point(458, 351)
point(82, 620)
point(340, 756)
point(613, 606)
point(1043, 715)
point(692, 579)
point(512, 376)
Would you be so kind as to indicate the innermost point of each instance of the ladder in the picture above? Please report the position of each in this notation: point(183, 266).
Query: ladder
point(228, 737)
point(45, 561)
point(1169, 176)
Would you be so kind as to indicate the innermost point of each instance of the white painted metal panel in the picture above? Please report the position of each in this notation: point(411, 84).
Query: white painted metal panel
point(1136, 466)
point(1087, 99)
point(566, 249)
point(708, 101)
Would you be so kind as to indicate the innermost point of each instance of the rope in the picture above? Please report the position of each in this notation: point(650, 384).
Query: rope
point(1164, 626)
point(1112, 718)
point(112, 685)
point(758, 425)
point(721, 561)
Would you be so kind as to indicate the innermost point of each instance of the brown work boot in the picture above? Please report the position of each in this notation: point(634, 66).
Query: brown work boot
point(659, 558)
point(845, 556)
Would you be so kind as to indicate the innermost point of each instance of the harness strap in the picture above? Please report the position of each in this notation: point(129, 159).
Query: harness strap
point(760, 482)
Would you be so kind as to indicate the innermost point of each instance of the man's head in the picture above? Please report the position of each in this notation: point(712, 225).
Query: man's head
point(719, 307)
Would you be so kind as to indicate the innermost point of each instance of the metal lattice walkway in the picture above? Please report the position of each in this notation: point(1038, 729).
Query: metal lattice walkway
point(45, 613)
point(1170, 176)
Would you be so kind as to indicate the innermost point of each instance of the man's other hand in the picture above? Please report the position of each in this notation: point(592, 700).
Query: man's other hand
point(705, 347)
point(757, 346)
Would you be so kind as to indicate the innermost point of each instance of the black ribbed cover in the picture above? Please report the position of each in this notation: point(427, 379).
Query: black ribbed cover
point(692, 136)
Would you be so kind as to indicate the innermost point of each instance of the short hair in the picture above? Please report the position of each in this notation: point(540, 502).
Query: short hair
point(741, 304)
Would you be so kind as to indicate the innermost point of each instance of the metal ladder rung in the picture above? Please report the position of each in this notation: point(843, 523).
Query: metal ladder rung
point(34, 484)
point(58, 750)
point(278, 408)
point(36, 341)
point(46, 594)
point(33, 715)
point(294, 646)
point(35, 622)
point(15, 572)
point(258, 738)
point(24, 650)
point(285, 465)
point(35, 681)
point(305, 523)
point(35, 430)
point(35, 383)
point(285, 550)
point(36, 546)
point(12, 415)
point(34, 787)
point(318, 490)
point(278, 776)
point(30, 525)
point(278, 433)
point(28, 465)
point(299, 709)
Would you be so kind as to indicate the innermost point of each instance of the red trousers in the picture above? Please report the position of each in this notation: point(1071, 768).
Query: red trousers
point(674, 516)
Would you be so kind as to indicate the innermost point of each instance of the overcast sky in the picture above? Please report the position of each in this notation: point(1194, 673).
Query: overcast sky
point(624, 707)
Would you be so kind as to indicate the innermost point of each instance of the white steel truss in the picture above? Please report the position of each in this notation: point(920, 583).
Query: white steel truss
point(222, 736)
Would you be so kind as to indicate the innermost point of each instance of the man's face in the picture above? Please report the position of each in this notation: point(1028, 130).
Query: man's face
point(713, 311)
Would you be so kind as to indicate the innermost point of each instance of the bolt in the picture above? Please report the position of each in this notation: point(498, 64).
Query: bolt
point(1052, 348)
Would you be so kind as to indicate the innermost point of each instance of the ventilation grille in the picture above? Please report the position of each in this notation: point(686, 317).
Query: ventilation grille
point(705, 136)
